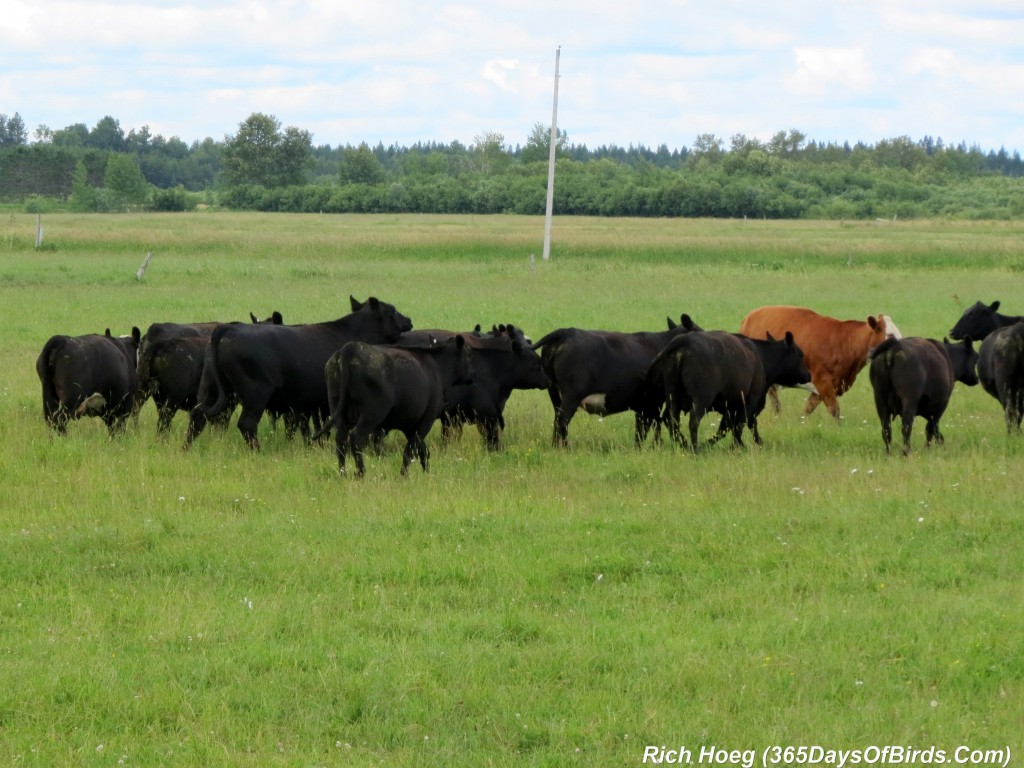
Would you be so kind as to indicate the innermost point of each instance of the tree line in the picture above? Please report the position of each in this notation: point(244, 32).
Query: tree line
point(266, 167)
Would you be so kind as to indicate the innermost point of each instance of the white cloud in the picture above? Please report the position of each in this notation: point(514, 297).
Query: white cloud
point(818, 69)
point(501, 72)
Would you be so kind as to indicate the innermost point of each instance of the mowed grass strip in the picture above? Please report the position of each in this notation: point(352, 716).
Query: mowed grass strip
point(532, 607)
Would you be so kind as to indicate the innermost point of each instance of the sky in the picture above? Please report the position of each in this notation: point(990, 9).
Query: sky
point(630, 73)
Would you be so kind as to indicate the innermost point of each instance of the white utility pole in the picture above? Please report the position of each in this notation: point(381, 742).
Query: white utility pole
point(551, 164)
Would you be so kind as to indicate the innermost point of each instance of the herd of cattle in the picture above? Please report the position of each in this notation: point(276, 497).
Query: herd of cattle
point(368, 373)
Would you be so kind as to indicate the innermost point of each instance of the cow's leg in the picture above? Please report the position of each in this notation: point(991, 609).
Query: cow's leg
point(672, 411)
point(422, 450)
point(773, 394)
point(52, 414)
point(164, 415)
point(196, 423)
point(907, 423)
point(932, 432)
point(420, 443)
point(492, 433)
point(826, 394)
point(116, 418)
point(736, 422)
point(358, 439)
point(340, 439)
point(642, 427)
point(249, 421)
point(377, 438)
point(563, 415)
point(723, 428)
point(1013, 407)
point(696, 414)
point(752, 426)
point(885, 418)
point(451, 426)
point(415, 446)
point(1006, 399)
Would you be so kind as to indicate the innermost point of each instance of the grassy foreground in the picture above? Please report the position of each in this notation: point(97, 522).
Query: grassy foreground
point(533, 607)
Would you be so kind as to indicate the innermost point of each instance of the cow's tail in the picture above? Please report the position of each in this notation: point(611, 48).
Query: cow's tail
point(554, 336)
point(885, 348)
point(654, 370)
point(211, 367)
point(144, 370)
point(339, 396)
point(45, 365)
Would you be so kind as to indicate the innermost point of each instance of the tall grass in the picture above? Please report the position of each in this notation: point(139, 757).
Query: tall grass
point(532, 607)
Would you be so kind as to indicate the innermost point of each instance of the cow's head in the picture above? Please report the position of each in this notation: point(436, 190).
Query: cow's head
point(685, 324)
point(464, 373)
point(529, 367)
point(977, 321)
point(792, 369)
point(965, 360)
point(392, 322)
point(276, 318)
point(889, 327)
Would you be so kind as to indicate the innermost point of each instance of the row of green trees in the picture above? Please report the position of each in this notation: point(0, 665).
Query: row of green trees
point(266, 167)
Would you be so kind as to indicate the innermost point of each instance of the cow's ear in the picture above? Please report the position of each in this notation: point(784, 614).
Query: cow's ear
point(136, 333)
point(356, 304)
point(687, 322)
point(873, 322)
point(374, 303)
point(107, 333)
point(768, 334)
point(994, 306)
point(789, 339)
point(459, 342)
point(670, 322)
point(252, 317)
point(277, 318)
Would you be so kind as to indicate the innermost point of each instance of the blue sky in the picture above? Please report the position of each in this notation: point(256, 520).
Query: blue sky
point(400, 71)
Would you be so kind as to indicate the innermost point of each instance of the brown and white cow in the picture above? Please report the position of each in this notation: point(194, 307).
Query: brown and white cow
point(835, 350)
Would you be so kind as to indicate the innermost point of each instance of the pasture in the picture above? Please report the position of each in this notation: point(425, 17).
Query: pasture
point(531, 607)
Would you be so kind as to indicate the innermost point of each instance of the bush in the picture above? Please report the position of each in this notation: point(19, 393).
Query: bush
point(174, 199)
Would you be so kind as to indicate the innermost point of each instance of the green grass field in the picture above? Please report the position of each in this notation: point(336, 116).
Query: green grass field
point(535, 607)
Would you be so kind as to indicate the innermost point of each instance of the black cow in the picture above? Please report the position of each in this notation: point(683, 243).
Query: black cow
point(502, 361)
point(604, 372)
point(280, 368)
point(89, 375)
point(914, 377)
point(170, 367)
point(724, 372)
point(980, 320)
point(1001, 371)
point(377, 388)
